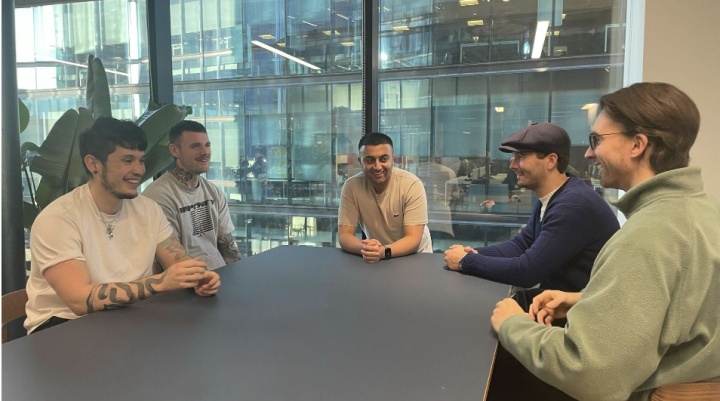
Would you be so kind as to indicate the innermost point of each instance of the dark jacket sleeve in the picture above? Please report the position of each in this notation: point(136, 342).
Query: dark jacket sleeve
point(563, 236)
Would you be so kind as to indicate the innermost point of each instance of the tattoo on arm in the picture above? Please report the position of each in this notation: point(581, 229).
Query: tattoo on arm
point(228, 249)
point(174, 247)
point(109, 298)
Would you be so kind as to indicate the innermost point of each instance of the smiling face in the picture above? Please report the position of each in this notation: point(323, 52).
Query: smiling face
point(120, 174)
point(531, 171)
point(377, 163)
point(613, 153)
point(193, 152)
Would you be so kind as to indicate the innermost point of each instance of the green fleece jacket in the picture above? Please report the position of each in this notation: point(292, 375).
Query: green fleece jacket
point(650, 315)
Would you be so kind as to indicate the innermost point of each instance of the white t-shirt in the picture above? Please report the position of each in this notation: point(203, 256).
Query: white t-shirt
point(71, 228)
point(384, 216)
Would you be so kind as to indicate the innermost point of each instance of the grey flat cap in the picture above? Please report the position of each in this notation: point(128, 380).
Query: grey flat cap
point(539, 137)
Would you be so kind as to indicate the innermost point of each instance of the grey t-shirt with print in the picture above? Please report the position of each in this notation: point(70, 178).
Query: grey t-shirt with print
point(197, 215)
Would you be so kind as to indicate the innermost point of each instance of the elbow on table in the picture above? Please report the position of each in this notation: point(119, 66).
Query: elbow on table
point(78, 307)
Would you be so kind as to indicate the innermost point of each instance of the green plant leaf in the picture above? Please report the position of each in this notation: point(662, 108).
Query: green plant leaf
point(157, 124)
point(30, 212)
point(54, 161)
point(76, 171)
point(98, 92)
point(157, 159)
point(24, 115)
point(47, 193)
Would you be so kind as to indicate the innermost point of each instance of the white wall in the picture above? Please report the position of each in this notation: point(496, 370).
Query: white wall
point(682, 47)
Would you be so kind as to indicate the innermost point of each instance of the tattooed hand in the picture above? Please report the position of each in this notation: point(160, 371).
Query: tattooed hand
point(185, 274)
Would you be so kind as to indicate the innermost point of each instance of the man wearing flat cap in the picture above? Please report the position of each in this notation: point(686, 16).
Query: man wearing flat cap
point(566, 230)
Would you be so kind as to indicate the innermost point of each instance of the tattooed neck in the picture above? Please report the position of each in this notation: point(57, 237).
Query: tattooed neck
point(182, 175)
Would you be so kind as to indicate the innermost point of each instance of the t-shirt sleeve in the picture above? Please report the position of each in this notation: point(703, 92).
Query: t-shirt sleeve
point(164, 228)
point(48, 248)
point(348, 213)
point(225, 224)
point(415, 205)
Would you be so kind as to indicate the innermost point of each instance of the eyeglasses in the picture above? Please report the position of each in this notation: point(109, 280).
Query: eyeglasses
point(595, 139)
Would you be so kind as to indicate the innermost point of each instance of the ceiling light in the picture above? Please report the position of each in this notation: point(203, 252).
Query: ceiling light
point(347, 43)
point(329, 33)
point(476, 22)
point(464, 3)
point(342, 16)
point(540, 31)
point(266, 36)
point(563, 16)
point(283, 54)
point(556, 33)
point(500, 109)
point(588, 106)
point(309, 23)
point(281, 44)
point(401, 28)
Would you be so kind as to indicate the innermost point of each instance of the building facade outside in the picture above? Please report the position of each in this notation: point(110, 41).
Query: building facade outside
point(456, 77)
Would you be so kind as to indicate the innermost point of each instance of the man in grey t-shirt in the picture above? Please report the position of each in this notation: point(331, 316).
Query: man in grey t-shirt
point(196, 208)
point(389, 204)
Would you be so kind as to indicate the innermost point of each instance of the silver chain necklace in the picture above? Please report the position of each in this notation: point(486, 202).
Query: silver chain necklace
point(110, 226)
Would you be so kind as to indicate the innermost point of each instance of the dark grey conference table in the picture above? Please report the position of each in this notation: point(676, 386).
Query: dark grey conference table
point(292, 323)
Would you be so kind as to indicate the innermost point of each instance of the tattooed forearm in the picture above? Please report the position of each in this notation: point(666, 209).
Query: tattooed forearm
point(91, 298)
point(150, 281)
point(228, 249)
point(182, 175)
point(107, 297)
point(175, 248)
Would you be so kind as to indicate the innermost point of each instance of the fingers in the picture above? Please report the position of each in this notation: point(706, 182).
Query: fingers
point(192, 263)
point(542, 314)
point(210, 287)
point(456, 246)
point(469, 249)
point(548, 320)
point(554, 303)
point(532, 311)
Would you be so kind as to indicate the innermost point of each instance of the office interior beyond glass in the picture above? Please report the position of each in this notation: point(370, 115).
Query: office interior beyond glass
point(455, 78)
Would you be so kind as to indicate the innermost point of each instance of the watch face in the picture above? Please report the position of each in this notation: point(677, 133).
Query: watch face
point(388, 253)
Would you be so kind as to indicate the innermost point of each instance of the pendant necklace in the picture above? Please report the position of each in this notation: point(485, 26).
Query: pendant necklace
point(110, 226)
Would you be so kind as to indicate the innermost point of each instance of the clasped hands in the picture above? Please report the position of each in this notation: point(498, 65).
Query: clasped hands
point(550, 305)
point(455, 254)
point(372, 250)
point(193, 273)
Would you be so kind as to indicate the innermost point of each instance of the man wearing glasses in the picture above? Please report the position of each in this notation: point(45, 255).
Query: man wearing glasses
point(567, 229)
point(649, 316)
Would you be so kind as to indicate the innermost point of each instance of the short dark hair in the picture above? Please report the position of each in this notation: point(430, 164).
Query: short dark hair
point(374, 139)
point(562, 161)
point(664, 113)
point(106, 134)
point(185, 125)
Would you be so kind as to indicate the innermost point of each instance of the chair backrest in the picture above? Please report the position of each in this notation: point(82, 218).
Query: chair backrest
point(13, 307)
point(699, 391)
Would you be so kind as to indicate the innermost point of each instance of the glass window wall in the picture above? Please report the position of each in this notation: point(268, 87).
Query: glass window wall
point(278, 86)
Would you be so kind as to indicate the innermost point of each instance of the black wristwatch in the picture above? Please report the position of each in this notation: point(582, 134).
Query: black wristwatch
point(388, 253)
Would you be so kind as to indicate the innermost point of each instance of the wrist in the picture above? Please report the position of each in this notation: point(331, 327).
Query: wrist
point(385, 252)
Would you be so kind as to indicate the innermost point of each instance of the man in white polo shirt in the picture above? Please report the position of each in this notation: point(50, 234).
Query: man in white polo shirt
point(389, 204)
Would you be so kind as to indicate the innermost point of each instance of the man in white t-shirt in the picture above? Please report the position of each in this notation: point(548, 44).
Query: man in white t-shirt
point(389, 204)
point(196, 209)
point(93, 248)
